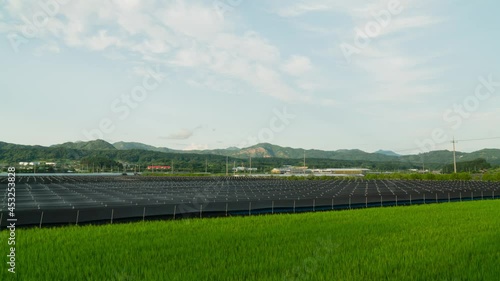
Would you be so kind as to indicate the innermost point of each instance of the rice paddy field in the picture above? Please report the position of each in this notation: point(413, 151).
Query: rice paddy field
point(445, 241)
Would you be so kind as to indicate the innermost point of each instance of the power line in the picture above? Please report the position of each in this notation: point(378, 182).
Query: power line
point(492, 138)
point(456, 141)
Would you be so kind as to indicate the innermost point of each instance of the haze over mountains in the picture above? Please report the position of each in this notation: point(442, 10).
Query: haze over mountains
point(267, 150)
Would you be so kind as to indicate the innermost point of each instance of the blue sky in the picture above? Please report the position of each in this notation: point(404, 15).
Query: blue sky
point(399, 75)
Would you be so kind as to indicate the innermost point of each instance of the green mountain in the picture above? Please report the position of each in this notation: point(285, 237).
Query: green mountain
point(387, 152)
point(263, 154)
point(137, 145)
point(435, 157)
point(6, 146)
point(491, 155)
point(267, 150)
point(89, 145)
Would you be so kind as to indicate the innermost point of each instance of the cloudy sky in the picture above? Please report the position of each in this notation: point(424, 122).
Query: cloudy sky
point(325, 74)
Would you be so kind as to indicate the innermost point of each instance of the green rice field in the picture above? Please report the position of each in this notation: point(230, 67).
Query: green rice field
point(448, 241)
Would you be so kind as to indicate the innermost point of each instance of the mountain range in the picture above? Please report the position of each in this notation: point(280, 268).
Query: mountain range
point(267, 150)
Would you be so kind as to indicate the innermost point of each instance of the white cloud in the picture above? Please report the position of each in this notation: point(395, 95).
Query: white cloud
point(297, 65)
point(183, 35)
point(49, 47)
point(410, 22)
point(302, 8)
point(194, 146)
point(180, 135)
point(192, 19)
point(127, 5)
point(102, 41)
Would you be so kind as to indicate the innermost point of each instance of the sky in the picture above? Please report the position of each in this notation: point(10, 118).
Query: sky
point(400, 75)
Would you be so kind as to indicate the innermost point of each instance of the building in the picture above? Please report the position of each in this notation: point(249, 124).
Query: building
point(341, 171)
point(287, 169)
point(159, 167)
point(244, 169)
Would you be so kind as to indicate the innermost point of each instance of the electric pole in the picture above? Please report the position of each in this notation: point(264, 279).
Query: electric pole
point(454, 156)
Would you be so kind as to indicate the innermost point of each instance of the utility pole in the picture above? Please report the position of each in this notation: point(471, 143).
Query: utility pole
point(250, 164)
point(304, 161)
point(206, 165)
point(454, 156)
point(172, 167)
point(423, 165)
point(227, 168)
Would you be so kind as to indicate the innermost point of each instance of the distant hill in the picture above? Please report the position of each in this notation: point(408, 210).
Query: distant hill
point(268, 150)
point(89, 145)
point(437, 157)
point(123, 150)
point(387, 152)
point(491, 155)
point(6, 146)
point(137, 145)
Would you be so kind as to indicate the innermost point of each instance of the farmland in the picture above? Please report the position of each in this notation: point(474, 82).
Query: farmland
point(449, 241)
point(63, 200)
